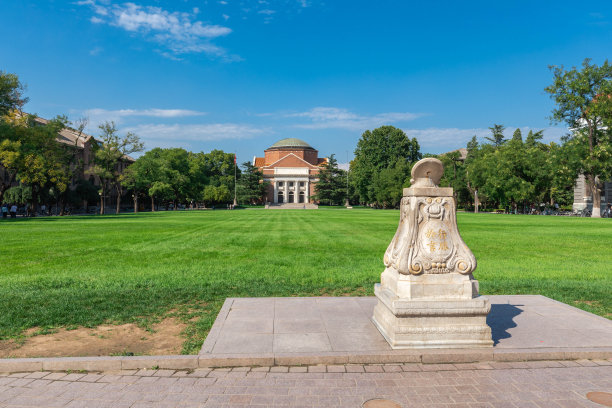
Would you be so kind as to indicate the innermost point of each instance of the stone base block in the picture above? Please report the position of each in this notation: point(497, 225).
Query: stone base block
point(453, 323)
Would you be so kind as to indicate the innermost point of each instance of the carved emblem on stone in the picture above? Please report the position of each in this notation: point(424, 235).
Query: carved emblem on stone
point(427, 238)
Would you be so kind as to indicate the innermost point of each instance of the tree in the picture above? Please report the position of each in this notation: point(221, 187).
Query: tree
point(175, 166)
point(389, 184)
point(19, 195)
point(497, 135)
point(11, 93)
point(30, 154)
point(584, 102)
point(111, 151)
point(331, 187)
point(377, 150)
point(251, 185)
point(216, 194)
point(141, 176)
point(454, 176)
point(475, 169)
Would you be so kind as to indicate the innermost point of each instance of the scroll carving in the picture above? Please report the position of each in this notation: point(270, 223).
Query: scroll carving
point(427, 239)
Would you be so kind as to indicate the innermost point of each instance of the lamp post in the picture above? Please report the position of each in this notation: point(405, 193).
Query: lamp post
point(347, 204)
point(101, 202)
point(235, 171)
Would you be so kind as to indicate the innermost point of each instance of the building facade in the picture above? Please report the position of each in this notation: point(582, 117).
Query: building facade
point(291, 167)
point(583, 197)
point(83, 146)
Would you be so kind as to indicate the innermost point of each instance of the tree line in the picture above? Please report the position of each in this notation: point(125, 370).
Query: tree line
point(513, 173)
point(38, 170)
point(175, 176)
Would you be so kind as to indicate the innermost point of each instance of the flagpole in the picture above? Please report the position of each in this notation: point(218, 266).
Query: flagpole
point(235, 172)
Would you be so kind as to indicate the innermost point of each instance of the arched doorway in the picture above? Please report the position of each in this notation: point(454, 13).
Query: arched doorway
point(280, 198)
point(301, 197)
point(290, 200)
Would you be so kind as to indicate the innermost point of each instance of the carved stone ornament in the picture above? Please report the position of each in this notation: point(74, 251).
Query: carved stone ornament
point(427, 238)
point(427, 296)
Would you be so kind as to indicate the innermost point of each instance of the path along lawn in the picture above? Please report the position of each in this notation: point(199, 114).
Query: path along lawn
point(84, 271)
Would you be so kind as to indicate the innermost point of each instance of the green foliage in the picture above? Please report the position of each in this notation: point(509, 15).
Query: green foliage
point(111, 150)
point(161, 190)
point(251, 185)
point(389, 184)
point(584, 102)
point(216, 194)
point(31, 155)
point(455, 176)
point(377, 150)
point(19, 195)
point(178, 176)
point(331, 187)
point(11, 93)
point(497, 135)
point(514, 173)
point(149, 264)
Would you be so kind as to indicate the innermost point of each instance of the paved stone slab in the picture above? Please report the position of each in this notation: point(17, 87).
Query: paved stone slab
point(546, 384)
point(321, 330)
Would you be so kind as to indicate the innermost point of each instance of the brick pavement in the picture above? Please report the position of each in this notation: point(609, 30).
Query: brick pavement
point(536, 384)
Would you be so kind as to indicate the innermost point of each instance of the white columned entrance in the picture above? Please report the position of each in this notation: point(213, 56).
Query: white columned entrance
point(283, 177)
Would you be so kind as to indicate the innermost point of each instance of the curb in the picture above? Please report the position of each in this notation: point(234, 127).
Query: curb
point(188, 362)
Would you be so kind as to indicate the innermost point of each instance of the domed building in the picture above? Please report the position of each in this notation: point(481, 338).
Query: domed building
point(291, 166)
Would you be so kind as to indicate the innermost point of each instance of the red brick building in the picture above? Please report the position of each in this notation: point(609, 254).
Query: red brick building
point(291, 166)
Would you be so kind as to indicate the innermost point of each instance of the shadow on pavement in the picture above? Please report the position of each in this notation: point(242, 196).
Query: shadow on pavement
point(500, 319)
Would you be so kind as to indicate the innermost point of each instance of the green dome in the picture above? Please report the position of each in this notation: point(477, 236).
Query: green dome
point(291, 142)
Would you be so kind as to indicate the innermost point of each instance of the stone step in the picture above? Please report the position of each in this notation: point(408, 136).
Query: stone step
point(292, 206)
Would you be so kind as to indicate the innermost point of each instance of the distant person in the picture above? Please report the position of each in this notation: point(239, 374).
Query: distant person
point(13, 211)
point(4, 211)
point(608, 211)
point(43, 209)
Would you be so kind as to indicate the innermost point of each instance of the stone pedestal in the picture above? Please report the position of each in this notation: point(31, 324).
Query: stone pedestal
point(428, 297)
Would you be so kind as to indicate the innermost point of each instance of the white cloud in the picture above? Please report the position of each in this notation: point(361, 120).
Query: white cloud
point(339, 118)
point(441, 140)
point(266, 12)
point(194, 133)
point(158, 113)
point(180, 32)
point(97, 116)
point(95, 51)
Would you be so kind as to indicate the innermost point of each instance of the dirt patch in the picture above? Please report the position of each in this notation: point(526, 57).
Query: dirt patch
point(104, 340)
point(594, 303)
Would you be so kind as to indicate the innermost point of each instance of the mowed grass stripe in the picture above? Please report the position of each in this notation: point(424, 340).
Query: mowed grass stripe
point(84, 271)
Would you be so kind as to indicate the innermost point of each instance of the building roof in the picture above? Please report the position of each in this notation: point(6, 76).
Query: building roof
point(73, 137)
point(259, 162)
point(68, 135)
point(291, 142)
point(462, 153)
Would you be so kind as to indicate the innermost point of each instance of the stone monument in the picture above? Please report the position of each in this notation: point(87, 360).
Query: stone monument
point(428, 297)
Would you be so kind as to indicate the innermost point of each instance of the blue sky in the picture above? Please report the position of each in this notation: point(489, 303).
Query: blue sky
point(240, 75)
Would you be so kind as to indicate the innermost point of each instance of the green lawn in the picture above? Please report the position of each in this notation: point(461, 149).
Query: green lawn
point(83, 271)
